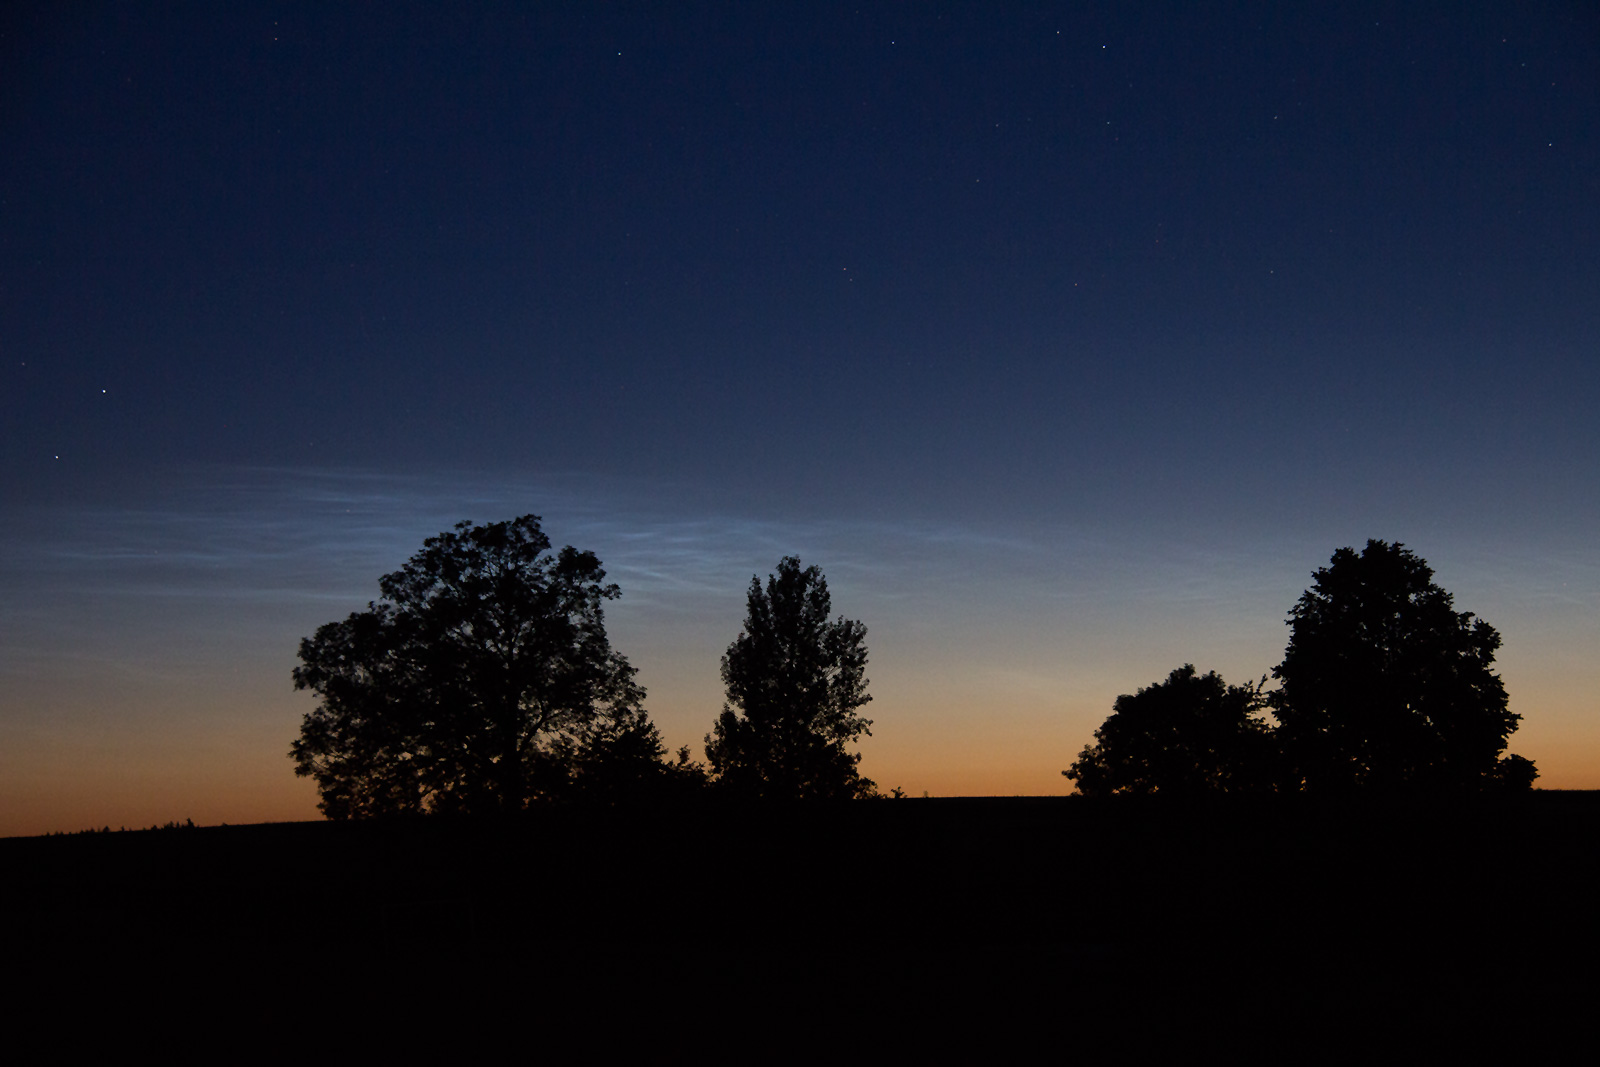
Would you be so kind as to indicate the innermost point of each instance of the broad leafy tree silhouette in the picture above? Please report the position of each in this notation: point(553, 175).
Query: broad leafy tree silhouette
point(795, 681)
point(1191, 734)
point(483, 680)
point(1385, 685)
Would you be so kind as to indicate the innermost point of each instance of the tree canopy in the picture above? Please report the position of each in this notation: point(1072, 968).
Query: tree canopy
point(1384, 684)
point(1188, 735)
point(482, 680)
point(794, 681)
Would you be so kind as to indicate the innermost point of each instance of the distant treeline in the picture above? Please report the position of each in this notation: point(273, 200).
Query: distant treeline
point(187, 824)
point(484, 682)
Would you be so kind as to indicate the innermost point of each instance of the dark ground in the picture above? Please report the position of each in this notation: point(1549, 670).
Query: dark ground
point(1000, 929)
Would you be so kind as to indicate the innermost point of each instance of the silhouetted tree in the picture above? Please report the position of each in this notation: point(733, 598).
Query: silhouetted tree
point(795, 681)
point(476, 685)
point(621, 760)
point(1189, 734)
point(1385, 685)
point(1513, 774)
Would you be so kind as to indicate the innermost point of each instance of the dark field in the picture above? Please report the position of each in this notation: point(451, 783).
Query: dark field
point(1004, 928)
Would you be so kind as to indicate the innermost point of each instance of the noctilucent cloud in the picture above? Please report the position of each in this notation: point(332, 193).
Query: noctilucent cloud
point(1068, 344)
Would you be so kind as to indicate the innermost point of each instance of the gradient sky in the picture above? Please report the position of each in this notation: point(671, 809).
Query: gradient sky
point(1067, 340)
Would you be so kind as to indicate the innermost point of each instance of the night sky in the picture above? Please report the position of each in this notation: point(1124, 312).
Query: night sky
point(1067, 341)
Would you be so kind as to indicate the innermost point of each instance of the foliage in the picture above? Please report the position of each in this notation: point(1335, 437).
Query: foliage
point(1190, 734)
point(483, 680)
point(1386, 685)
point(1512, 774)
point(621, 761)
point(795, 681)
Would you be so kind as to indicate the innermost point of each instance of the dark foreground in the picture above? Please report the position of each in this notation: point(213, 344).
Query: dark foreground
point(995, 929)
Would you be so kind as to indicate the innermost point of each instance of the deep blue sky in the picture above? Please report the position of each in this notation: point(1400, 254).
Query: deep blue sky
point(1216, 290)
